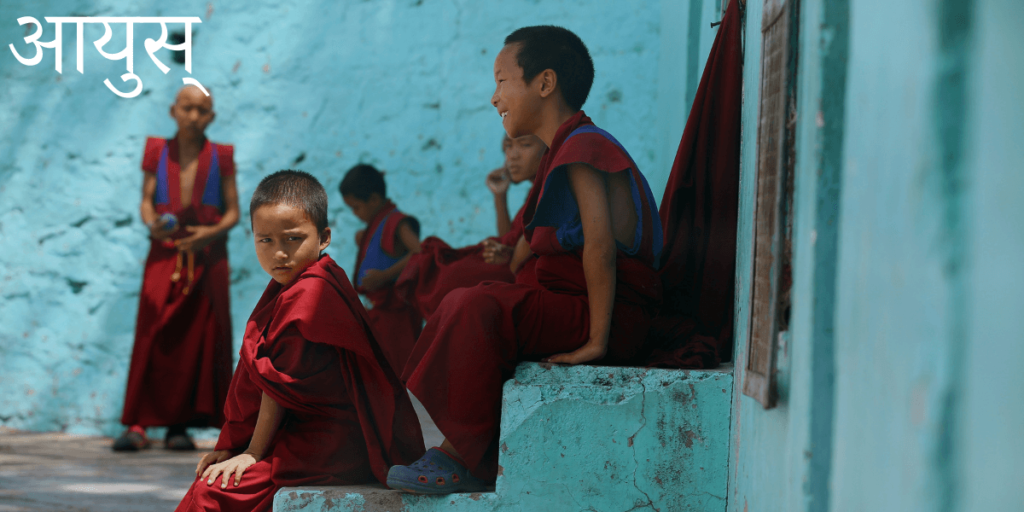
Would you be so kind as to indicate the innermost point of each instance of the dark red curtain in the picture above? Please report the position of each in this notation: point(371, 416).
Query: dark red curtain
point(699, 213)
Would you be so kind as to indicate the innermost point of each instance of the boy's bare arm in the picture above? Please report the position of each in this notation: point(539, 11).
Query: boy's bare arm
point(147, 209)
point(599, 253)
point(498, 182)
point(410, 242)
point(520, 254)
point(201, 236)
point(269, 420)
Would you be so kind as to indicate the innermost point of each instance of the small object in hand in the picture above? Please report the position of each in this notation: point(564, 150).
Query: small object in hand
point(170, 221)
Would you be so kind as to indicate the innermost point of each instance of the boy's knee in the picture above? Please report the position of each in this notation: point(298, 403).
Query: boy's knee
point(476, 299)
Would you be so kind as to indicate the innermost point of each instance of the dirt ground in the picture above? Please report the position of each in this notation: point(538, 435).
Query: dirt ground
point(62, 472)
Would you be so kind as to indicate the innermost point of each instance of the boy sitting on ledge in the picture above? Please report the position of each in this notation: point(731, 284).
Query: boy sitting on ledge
point(592, 222)
point(313, 401)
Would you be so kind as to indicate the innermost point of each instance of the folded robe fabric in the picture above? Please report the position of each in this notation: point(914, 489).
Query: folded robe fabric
point(181, 361)
point(438, 269)
point(699, 214)
point(308, 346)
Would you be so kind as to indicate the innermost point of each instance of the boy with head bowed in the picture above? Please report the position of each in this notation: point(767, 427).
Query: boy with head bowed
point(181, 361)
point(592, 224)
point(313, 400)
point(438, 268)
point(387, 243)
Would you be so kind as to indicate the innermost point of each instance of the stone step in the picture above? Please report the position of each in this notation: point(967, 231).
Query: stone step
point(585, 438)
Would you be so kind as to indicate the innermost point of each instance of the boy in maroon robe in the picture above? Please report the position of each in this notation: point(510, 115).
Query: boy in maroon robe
point(590, 220)
point(385, 246)
point(438, 268)
point(313, 400)
point(181, 362)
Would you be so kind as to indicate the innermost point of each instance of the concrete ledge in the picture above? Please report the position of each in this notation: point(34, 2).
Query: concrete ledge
point(591, 438)
point(610, 438)
point(375, 498)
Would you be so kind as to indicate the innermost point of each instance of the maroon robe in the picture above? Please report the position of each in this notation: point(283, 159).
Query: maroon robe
point(438, 269)
point(473, 342)
point(396, 324)
point(309, 346)
point(699, 212)
point(181, 361)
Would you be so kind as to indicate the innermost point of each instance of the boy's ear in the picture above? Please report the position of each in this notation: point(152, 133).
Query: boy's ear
point(547, 81)
point(325, 238)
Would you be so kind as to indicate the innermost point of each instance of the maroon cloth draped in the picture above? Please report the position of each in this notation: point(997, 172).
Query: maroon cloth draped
point(438, 269)
point(309, 346)
point(395, 322)
point(181, 361)
point(699, 215)
point(476, 337)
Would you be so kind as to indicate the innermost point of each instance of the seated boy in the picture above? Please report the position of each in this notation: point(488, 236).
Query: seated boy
point(592, 223)
point(385, 246)
point(313, 401)
point(438, 268)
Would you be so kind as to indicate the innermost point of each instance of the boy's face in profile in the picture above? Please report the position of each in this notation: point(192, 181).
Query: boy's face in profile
point(365, 210)
point(522, 158)
point(518, 104)
point(193, 111)
point(287, 241)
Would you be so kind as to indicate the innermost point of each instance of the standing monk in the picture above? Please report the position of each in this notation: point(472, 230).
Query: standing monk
point(181, 362)
point(593, 225)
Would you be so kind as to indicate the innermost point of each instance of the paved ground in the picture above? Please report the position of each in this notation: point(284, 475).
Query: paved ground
point(61, 472)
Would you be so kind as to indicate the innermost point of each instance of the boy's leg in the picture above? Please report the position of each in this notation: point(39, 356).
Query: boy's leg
point(472, 345)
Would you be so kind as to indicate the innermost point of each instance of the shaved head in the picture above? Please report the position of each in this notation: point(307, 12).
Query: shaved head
point(193, 111)
point(194, 94)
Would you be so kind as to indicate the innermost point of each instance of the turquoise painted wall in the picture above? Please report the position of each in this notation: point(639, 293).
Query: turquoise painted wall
point(401, 84)
point(899, 387)
point(990, 446)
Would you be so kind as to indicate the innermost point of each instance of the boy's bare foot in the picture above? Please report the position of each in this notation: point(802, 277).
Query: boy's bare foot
point(132, 440)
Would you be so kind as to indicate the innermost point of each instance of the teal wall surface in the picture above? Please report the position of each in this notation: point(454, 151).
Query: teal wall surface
point(402, 84)
point(991, 418)
point(898, 379)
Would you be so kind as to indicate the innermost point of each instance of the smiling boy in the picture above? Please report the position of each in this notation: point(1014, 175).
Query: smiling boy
point(313, 401)
point(592, 223)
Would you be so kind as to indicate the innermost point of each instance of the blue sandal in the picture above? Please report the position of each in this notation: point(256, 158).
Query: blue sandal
point(434, 473)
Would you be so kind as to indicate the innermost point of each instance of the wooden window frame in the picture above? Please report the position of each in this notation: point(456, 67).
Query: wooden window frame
point(772, 247)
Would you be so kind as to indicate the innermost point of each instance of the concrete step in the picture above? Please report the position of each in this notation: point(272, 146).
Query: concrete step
point(585, 438)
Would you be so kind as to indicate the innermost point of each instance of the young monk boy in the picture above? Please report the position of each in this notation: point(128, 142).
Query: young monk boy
point(438, 269)
point(385, 246)
point(313, 401)
point(592, 223)
point(181, 362)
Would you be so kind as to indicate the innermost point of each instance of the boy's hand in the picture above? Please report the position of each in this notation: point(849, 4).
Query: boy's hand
point(158, 231)
point(498, 181)
point(591, 351)
point(200, 237)
point(233, 466)
point(495, 253)
point(212, 458)
point(372, 280)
